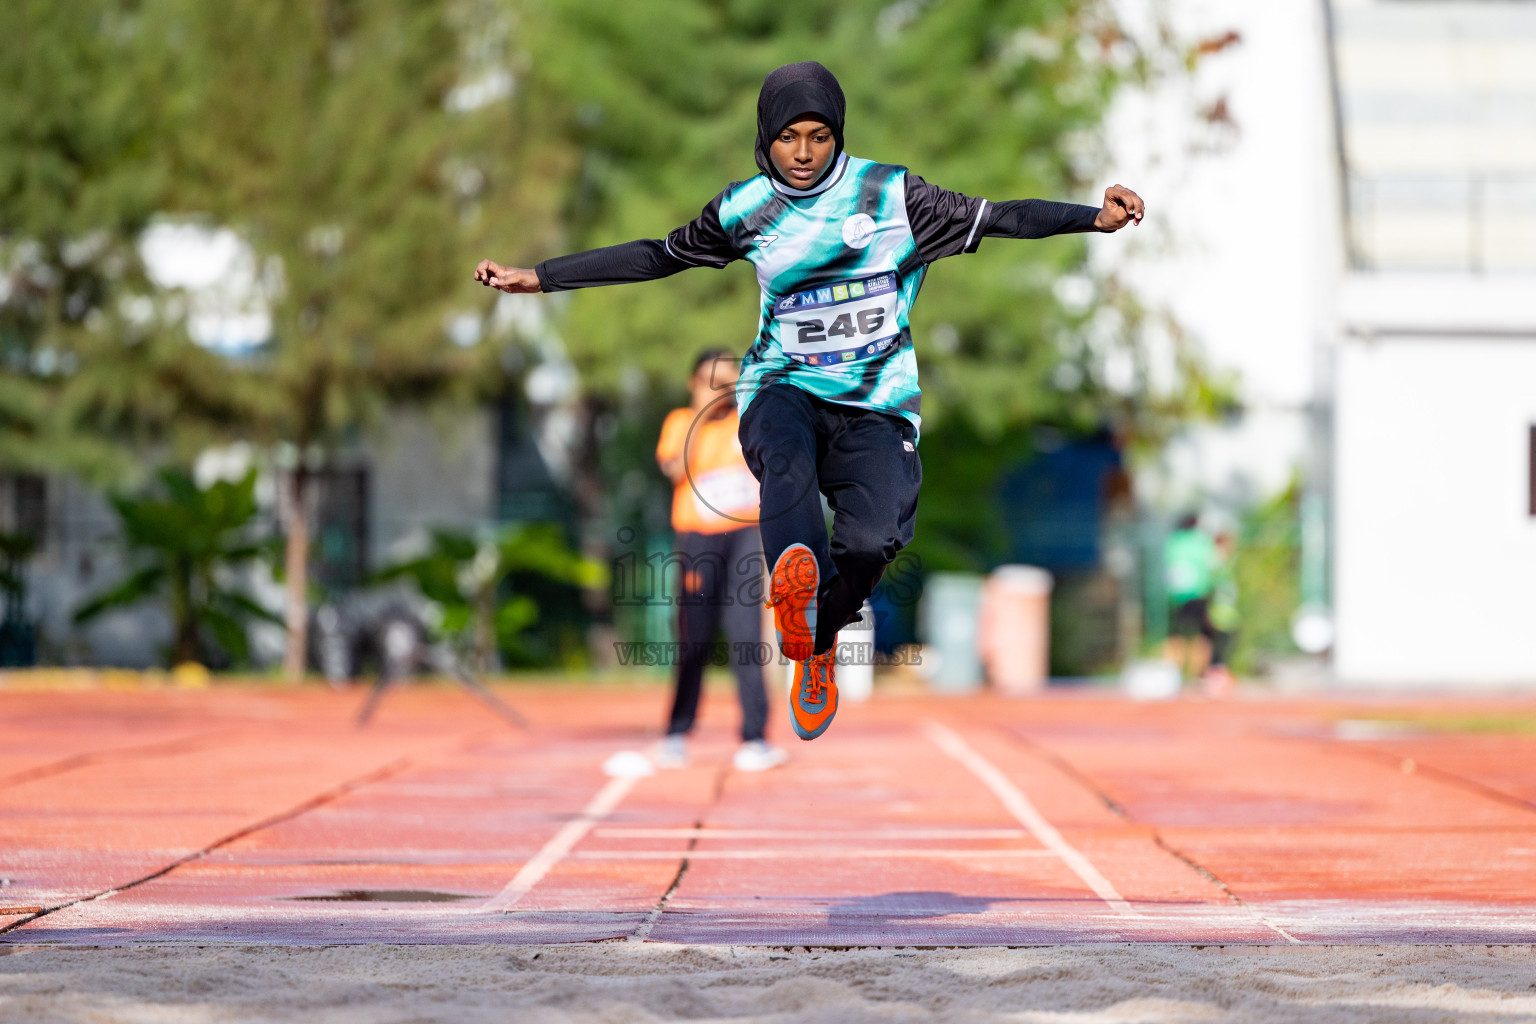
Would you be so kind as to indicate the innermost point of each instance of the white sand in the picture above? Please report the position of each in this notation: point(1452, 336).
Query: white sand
point(623, 983)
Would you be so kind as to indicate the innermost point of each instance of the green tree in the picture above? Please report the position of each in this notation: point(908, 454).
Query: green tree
point(186, 541)
point(347, 143)
point(321, 141)
point(92, 365)
point(467, 577)
point(354, 147)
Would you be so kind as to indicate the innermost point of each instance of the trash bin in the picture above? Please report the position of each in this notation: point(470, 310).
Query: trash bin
point(1016, 629)
point(1151, 680)
point(948, 620)
point(856, 657)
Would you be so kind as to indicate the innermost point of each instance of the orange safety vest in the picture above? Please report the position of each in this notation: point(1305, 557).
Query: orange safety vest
point(719, 493)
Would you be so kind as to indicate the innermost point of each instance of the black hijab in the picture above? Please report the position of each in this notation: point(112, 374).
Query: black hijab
point(788, 92)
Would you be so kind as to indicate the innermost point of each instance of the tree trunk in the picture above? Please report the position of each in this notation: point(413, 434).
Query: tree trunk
point(485, 630)
point(185, 646)
point(591, 538)
point(296, 571)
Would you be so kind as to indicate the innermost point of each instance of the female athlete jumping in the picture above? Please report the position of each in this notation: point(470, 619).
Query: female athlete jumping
point(828, 391)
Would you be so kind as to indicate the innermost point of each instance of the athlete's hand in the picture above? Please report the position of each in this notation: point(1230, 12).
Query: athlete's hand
point(512, 280)
point(1121, 207)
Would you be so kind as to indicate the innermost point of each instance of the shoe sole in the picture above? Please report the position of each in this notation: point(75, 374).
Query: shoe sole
point(789, 581)
point(812, 734)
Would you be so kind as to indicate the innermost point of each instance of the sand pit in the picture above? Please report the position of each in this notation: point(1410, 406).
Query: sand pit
point(627, 982)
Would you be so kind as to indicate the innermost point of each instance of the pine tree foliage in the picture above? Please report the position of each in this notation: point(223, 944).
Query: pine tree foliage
point(90, 363)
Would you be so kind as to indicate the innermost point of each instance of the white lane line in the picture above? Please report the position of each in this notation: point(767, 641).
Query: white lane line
point(797, 852)
point(572, 832)
point(824, 835)
point(1266, 922)
point(1024, 811)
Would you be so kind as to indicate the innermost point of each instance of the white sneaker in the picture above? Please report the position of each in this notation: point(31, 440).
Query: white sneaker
point(672, 752)
point(758, 756)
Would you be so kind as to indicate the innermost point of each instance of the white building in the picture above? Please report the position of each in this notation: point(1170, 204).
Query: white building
point(1434, 373)
point(1235, 162)
point(1358, 243)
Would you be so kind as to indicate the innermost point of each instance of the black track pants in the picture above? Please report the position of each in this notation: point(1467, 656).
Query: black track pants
point(722, 587)
point(866, 464)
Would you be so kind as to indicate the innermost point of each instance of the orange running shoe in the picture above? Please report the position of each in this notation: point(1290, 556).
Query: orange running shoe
point(813, 695)
point(792, 596)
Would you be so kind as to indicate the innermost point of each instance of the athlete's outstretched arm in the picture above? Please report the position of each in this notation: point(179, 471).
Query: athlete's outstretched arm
point(947, 223)
point(702, 242)
point(645, 259)
point(1040, 218)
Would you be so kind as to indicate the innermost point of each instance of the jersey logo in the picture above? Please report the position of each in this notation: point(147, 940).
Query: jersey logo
point(858, 231)
point(764, 241)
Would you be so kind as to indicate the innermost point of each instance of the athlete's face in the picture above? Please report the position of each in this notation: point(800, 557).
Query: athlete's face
point(802, 152)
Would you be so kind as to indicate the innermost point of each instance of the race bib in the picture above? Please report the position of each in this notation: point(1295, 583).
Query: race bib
point(839, 323)
point(729, 492)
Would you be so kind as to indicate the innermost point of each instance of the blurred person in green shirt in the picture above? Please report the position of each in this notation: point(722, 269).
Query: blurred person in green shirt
point(1189, 568)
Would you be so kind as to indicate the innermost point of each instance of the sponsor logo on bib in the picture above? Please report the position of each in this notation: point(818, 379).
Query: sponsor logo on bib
point(858, 230)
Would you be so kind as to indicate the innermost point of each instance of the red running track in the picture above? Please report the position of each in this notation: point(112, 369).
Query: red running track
point(241, 814)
